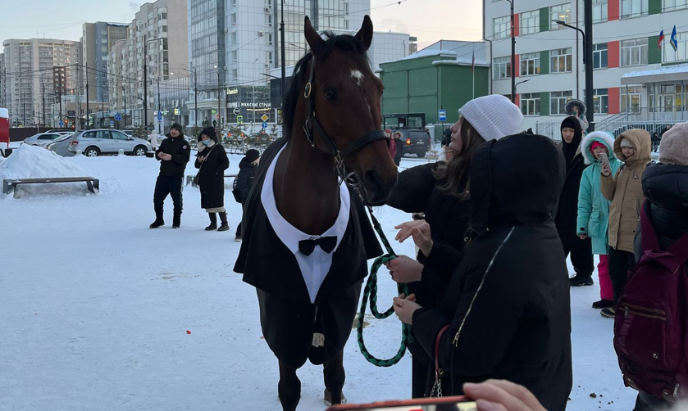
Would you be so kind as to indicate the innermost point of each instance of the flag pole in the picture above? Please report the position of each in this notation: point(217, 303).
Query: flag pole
point(473, 70)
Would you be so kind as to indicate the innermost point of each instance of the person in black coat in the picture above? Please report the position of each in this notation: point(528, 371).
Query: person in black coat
point(212, 161)
point(397, 135)
point(567, 214)
point(248, 170)
point(174, 152)
point(506, 312)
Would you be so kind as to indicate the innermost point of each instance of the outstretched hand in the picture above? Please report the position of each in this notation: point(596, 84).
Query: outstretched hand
point(502, 395)
point(405, 270)
point(420, 231)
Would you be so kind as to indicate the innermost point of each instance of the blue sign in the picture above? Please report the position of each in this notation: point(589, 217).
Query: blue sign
point(118, 117)
point(442, 115)
point(61, 124)
point(159, 115)
point(265, 124)
point(112, 123)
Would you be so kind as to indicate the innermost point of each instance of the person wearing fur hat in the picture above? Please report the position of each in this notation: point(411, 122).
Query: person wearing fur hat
point(579, 249)
point(442, 192)
point(665, 186)
point(174, 152)
point(593, 208)
point(624, 190)
point(212, 161)
point(248, 170)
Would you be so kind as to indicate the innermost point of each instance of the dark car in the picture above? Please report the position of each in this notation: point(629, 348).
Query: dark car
point(415, 138)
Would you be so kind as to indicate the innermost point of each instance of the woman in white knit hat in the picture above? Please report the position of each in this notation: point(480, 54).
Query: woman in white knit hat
point(441, 191)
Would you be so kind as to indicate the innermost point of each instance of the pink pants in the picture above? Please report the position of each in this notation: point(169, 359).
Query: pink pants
point(606, 289)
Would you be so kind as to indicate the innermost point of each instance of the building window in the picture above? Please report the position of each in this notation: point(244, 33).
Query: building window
point(234, 38)
point(530, 22)
point(501, 27)
point(233, 19)
point(530, 64)
point(671, 56)
point(270, 57)
point(268, 20)
point(633, 8)
point(530, 104)
point(601, 100)
point(561, 61)
point(234, 3)
point(235, 74)
point(631, 98)
point(561, 12)
point(633, 52)
point(599, 56)
point(269, 39)
point(599, 11)
point(501, 68)
point(670, 5)
point(558, 100)
point(234, 57)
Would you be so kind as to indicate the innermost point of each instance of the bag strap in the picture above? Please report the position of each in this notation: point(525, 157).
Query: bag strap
point(206, 157)
point(437, 351)
point(650, 240)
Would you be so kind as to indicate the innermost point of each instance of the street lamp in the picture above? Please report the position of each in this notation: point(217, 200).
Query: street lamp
point(195, 93)
point(521, 82)
point(282, 87)
point(587, 57)
point(513, 54)
point(219, 88)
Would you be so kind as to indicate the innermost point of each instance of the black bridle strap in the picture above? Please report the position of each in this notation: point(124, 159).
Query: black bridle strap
point(363, 141)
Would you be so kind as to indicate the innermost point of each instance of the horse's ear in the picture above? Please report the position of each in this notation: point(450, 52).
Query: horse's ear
point(314, 40)
point(365, 34)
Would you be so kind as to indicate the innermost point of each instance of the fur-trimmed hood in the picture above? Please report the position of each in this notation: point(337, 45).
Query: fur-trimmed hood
point(603, 137)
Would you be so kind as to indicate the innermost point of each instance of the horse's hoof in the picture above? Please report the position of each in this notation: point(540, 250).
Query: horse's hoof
point(328, 398)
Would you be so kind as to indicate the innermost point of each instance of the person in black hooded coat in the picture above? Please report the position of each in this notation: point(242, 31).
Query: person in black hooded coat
point(506, 312)
point(248, 170)
point(567, 214)
point(212, 161)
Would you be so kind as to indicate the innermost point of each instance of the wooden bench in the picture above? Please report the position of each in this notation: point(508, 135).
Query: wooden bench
point(8, 186)
point(189, 179)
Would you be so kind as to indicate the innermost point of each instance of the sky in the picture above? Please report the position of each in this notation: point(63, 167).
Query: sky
point(428, 20)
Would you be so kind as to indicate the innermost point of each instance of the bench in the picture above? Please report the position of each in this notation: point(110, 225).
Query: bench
point(8, 186)
point(189, 179)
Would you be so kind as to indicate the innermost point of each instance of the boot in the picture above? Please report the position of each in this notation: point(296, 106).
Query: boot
point(224, 226)
point(580, 280)
point(158, 220)
point(213, 222)
point(177, 221)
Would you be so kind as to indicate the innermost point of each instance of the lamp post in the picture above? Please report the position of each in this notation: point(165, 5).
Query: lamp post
point(145, 82)
point(282, 86)
point(521, 82)
point(587, 60)
point(195, 79)
point(513, 54)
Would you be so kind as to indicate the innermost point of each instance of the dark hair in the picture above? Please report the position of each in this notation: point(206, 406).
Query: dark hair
point(454, 174)
point(342, 42)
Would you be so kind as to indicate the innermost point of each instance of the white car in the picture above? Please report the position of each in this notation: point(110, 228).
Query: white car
point(41, 139)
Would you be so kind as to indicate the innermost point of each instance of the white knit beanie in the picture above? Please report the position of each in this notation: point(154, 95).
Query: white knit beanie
point(493, 117)
point(626, 143)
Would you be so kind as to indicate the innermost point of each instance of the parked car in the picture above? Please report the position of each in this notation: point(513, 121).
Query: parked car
point(105, 141)
point(60, 130)
point(415, 137)
point(130, 133)
point(41, 139)
point(63, 136)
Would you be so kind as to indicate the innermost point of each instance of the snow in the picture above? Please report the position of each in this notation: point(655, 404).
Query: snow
point(29, 161)
point(95, 310)
point(682, 68)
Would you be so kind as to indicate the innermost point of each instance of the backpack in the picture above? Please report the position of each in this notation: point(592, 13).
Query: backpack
point(651, 322)
point(235, 191)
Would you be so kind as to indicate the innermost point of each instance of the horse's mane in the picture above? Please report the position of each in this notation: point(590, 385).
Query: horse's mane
point(342, 42)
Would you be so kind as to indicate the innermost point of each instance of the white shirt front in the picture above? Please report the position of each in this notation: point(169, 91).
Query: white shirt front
point(314, 267)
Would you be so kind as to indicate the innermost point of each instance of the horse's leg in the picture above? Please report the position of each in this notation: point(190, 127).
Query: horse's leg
point(334, 379)
point(289, 388)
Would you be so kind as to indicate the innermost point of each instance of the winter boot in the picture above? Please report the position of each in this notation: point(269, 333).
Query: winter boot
point(224, 226)
point(213, 222)
point(158, 220)
point(602, 304)
point(177, 221)
point(608, 312)
point(580, 280)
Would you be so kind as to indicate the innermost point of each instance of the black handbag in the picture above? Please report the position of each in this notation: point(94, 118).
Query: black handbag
point(235, 191)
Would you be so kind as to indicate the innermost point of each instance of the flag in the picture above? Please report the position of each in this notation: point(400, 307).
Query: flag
point(673, 41)
point(661, 39)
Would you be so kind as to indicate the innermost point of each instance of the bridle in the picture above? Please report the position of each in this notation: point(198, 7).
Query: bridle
point(312, 126)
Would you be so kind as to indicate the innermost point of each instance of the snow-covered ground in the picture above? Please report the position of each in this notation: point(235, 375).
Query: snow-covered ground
point(95, 309)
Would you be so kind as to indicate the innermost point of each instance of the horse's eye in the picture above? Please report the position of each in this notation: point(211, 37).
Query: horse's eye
point(330, 94)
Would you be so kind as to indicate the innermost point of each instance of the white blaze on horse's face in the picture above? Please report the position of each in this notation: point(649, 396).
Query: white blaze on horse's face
point(358, 76)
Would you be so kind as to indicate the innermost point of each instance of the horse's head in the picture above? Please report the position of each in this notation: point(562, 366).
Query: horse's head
point(345, 94)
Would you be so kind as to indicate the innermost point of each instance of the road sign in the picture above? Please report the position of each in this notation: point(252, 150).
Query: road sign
point(264, 117)
point(236, 111)
point(240, 119)
point(112, 123)
point(442, 115)
point(176, 111)
point(265, 124)
point(159, 115)
point(61, 124)
point(118, 117)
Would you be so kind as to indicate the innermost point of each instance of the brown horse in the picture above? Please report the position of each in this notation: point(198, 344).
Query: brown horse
point(346, 96)
point(332, 121)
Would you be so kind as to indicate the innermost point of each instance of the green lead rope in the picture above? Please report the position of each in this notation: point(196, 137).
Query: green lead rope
point(370, 291)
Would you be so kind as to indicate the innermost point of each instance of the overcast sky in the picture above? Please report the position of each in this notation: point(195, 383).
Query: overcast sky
point(429, 20)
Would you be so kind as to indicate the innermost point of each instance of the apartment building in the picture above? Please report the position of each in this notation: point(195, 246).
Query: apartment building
point(96, 41)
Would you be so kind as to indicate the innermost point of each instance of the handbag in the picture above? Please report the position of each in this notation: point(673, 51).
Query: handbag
point(439, 373)
point(197, 177)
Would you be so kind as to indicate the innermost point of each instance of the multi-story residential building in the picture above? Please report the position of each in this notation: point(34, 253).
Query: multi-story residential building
point(37, 73)
point(157, 39)
point(234, 44)
point(636, 77)
point(3, 87)
point(97, 40)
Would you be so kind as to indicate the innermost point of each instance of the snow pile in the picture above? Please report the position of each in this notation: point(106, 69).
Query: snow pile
point(37, 162)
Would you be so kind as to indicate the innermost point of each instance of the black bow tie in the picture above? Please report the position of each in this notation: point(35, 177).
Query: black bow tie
point(327, 244)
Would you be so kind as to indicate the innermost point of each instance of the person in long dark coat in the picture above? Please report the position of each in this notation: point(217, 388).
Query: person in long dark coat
point(567, 214)
point(248, 170)
point(506, 312)
point(212, 161)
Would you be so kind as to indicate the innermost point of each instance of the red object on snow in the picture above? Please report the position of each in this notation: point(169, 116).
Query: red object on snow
point(5, 127)
point(188, 332)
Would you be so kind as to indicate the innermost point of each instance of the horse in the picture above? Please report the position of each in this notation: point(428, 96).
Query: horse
point(332, 136)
